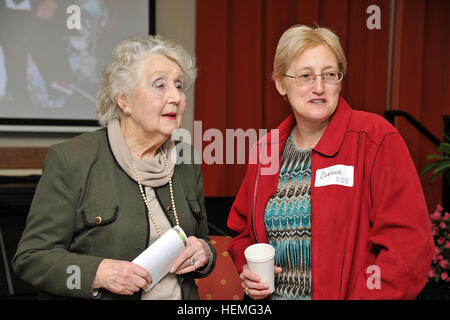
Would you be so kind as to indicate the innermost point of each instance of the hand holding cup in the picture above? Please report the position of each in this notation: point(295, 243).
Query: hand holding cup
point(258, 275)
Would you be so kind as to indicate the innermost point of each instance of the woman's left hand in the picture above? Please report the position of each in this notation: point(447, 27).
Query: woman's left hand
point(195, 256)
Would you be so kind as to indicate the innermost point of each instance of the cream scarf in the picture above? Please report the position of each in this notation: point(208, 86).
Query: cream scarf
point(152, 172)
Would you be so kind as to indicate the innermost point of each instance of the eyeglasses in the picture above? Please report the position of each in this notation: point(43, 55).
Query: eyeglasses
point(331, 77)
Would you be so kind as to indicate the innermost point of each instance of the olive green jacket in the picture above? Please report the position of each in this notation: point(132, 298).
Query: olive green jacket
point(64, 236)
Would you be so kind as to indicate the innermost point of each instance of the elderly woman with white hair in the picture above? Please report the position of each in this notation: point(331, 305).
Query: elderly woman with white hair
point(105, 196)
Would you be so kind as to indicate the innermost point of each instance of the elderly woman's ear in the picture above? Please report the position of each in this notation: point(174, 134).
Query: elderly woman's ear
point(123, 103)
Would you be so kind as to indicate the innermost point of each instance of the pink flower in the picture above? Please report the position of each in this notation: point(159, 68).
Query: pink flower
point(443, 264)
point(434, 230)
point(440, 257)
point(444, 275)
point(436, 251)
point(431, 273)
point(447, 245)
point(436, 216)
point(439, 207)
point(442, 225)
point(441, 241)
point(446, 216)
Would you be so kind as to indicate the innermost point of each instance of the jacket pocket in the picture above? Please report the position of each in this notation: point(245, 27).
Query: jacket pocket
point(195, 206)
point(98, 216)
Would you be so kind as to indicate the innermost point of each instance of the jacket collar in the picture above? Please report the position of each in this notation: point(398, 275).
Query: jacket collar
point(333, 137)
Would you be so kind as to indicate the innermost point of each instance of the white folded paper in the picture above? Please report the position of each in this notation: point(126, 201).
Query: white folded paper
point(158, 258)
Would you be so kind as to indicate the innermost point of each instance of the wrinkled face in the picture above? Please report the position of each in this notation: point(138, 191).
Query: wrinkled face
point(314, 103)
point(158, 103)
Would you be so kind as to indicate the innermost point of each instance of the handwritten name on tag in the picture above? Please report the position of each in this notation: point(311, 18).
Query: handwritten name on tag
point(339, 175)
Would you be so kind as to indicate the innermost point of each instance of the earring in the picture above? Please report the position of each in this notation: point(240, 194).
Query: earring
point(127, 111)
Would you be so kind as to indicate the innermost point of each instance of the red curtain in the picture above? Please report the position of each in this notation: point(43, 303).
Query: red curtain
point(235, 47)
point(420, 81)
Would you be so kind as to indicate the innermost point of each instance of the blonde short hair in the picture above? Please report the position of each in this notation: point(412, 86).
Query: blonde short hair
point(297, 39)
point(124, 73)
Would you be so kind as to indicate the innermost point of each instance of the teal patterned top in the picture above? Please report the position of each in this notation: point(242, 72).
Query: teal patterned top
point(288, 224)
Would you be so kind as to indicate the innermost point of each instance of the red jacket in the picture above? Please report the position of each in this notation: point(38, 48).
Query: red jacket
point(380, 220)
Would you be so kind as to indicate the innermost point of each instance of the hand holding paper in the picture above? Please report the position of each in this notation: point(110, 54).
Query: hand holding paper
point(198, 252)
point(121, 277)
point(158, 258)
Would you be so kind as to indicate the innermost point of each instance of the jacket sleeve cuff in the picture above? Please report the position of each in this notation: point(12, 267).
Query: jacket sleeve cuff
point(207, 269)
point(236, 250)
point(88, 273)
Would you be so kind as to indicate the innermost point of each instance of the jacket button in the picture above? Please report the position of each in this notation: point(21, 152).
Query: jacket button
point(98, 220)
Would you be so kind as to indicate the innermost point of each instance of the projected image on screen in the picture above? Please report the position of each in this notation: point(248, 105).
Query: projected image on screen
point(52, 53)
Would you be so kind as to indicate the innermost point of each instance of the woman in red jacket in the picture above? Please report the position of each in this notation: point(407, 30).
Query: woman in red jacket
point(344, 208)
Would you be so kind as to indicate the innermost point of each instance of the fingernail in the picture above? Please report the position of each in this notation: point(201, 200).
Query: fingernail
point(172, 270)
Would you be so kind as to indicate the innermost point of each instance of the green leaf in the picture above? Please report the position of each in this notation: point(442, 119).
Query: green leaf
point(434, 156)
point(428, 167)
point(434, 177)
point(444, 147)
point(441, 162)
point(442, 167)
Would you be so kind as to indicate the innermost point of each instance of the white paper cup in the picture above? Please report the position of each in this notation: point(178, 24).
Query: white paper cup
point(260, 260)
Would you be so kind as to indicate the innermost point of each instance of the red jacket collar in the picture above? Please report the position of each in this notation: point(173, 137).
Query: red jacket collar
point(333, 137)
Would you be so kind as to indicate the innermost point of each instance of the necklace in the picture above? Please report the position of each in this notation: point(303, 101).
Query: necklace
point(172, 200)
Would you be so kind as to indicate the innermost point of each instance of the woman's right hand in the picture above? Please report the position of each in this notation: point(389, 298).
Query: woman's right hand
point(121, 277)
point(252, 286)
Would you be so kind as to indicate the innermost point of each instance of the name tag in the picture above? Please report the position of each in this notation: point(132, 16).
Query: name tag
point(339, 175)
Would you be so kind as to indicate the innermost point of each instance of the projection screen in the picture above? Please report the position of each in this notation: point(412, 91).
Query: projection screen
point(52, 54)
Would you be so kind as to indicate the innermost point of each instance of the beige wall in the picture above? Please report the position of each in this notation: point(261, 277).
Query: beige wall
point(175, 19)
